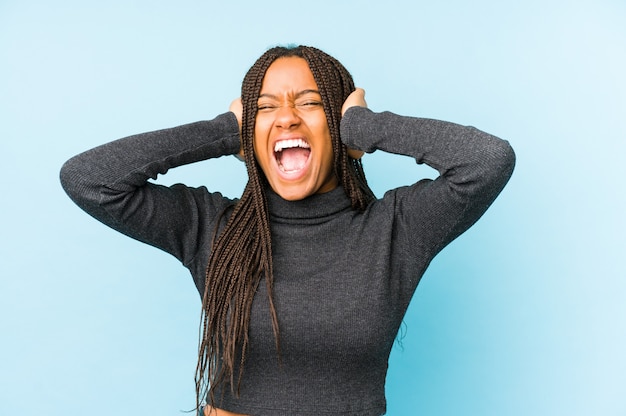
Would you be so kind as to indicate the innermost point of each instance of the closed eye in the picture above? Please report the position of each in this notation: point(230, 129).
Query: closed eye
point(266, 107)
point(310, 104)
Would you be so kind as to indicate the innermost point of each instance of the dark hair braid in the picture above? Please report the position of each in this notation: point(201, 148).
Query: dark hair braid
point(242, 253)
point(335, 85)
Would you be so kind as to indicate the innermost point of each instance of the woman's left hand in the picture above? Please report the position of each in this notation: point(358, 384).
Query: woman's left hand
point(355, 99)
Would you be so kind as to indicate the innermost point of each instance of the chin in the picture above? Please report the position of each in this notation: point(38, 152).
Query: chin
point(291, 195)
point(292, 192)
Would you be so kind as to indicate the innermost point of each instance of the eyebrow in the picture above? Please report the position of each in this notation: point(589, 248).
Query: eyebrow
point(298, 94)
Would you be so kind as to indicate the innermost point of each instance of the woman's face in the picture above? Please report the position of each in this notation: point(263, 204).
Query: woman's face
point(292, 141)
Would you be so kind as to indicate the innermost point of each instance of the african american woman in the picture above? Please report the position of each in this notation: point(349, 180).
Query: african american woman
point(305, 278)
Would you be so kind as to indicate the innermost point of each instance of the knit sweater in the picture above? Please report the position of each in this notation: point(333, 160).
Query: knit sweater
point(343, 279)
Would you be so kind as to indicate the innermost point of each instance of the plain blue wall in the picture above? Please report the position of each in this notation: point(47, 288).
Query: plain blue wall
point(522, 315)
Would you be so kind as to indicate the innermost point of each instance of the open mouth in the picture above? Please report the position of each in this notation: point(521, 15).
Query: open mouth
point(291, 154)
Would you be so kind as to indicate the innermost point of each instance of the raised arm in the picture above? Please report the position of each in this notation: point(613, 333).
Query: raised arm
point(474, 167)
point(110, 182)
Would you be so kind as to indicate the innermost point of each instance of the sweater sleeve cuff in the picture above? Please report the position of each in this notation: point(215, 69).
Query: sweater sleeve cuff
point(350, 128)
point(232, 140)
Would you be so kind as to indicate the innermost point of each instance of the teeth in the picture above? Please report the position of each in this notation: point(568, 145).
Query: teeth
point(289, 143)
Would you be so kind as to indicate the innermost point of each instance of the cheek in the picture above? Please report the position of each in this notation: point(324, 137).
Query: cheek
point(260, 153)
point(321, 129)
point(328, 144)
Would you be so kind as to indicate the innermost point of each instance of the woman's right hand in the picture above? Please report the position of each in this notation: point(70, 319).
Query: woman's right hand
point(236, 107)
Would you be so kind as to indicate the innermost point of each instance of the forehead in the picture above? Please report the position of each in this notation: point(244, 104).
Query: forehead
point(287, 75)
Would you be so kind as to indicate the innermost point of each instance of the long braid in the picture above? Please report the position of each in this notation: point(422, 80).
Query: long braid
point(335, 84)
point(242, 253)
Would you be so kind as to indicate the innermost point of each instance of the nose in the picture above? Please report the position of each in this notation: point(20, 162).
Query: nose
point(287, 117)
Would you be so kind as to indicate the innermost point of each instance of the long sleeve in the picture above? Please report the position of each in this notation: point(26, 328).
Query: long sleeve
point(474, 167)
point(111, 183)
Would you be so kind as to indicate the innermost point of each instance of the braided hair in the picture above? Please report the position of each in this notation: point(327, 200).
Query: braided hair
point(241, 255)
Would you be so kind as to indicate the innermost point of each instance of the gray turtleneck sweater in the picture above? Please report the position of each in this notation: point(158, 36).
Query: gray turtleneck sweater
point(343, 279)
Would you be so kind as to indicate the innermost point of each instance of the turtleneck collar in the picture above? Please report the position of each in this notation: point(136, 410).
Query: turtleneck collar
point(315, 207)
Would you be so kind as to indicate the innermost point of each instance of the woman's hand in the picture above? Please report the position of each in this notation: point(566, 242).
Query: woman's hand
point(237, 108)
point(355, 99)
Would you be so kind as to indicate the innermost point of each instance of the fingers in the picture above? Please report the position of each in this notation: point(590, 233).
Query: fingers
point(356, 99)
point(237, 107)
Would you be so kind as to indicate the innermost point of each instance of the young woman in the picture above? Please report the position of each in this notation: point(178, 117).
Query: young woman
point(306, 278)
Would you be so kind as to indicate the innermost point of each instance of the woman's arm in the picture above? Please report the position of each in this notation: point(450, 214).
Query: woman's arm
point(474, 167)
point(110, 182)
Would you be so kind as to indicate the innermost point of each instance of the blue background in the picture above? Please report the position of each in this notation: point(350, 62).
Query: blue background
point(522, 315)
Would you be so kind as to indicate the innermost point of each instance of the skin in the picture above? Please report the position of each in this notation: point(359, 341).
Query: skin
point(290, 107)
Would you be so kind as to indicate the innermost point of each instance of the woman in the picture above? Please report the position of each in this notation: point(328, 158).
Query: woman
point(338, 266)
